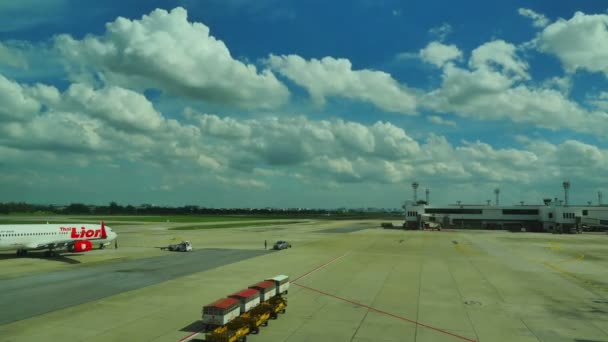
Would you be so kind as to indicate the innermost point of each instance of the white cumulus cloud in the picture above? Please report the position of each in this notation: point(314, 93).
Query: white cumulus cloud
point(441, 121)
point(499, 55)
point(576, 153)
point(255, 152)
point(492, 89)
point(118, 106)
point(12, 57)
point(438, 54)
point(335, 77)
point(17, 104)
point(538, 20)
point(599, 101)
point(166, 51)
point(580, 42)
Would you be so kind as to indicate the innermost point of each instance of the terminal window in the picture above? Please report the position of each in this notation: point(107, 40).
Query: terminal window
point(520, 211)
point(452, 211)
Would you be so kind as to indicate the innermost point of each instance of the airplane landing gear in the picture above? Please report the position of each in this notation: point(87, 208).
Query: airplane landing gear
point(21, 252)
point(50, 253)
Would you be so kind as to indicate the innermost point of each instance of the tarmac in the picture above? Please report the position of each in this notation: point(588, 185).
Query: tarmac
point(363, 284)
point(41, 293)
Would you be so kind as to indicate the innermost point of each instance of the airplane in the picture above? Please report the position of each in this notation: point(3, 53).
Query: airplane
point(69, 236)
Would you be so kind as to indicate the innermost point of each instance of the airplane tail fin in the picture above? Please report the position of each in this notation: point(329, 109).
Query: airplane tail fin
point(104, 235)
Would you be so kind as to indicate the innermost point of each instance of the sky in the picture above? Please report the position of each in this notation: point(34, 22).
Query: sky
point(313, 104)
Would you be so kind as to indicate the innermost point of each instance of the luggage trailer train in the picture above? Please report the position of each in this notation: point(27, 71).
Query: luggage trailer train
point(232, 318)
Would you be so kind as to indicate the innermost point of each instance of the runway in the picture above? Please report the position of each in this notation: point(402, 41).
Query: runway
point(41, 293)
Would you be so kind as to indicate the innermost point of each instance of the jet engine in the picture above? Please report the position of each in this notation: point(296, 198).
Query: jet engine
point(81, 246)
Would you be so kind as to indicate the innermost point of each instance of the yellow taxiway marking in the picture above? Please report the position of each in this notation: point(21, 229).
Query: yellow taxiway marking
point(556, 246)
point(465, 248)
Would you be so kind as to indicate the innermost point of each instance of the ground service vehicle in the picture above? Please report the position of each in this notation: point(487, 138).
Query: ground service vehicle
point(281, 245)
point(282, 283)
point(267, 288)
point(221, 312)
point(184, 246)
point(242, 313)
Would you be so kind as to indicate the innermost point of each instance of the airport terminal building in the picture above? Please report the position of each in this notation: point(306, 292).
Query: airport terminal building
point(537, 218)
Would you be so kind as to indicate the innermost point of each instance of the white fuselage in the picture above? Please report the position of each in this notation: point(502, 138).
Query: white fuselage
point(33, 236)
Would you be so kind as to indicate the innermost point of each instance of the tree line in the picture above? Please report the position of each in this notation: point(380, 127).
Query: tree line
point(114, 208)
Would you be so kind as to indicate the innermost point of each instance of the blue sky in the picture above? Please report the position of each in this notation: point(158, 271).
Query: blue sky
point(301, 103)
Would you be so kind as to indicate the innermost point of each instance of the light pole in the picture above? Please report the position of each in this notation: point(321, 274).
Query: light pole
point(566, 185)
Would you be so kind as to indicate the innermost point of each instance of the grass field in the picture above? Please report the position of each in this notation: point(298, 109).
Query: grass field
point(184, 218)
point(151, 219)
point(235, 225)
point(75, 220)
point(53, 218)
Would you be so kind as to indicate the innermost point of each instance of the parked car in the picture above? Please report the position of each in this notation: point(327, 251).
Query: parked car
point(281, 245)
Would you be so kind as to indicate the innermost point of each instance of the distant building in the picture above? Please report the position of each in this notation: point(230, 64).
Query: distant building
point(531, 217)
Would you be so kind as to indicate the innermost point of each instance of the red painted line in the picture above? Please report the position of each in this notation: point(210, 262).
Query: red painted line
point(388, 313)
point(189, 337)
point(319, 267)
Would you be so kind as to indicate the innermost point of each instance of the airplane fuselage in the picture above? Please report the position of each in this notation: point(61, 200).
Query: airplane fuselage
point(51, 236)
